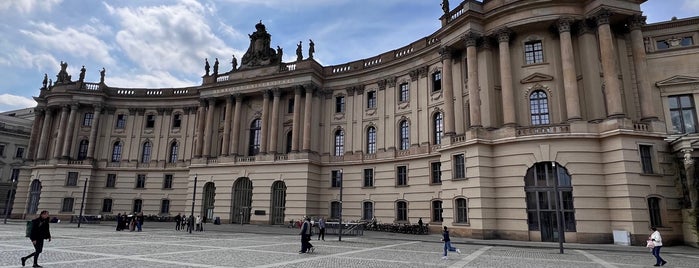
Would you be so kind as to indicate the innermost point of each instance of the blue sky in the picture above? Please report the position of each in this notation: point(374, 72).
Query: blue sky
point(160, 43)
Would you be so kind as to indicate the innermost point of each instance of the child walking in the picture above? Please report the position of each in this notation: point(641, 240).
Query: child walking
point(447, 244)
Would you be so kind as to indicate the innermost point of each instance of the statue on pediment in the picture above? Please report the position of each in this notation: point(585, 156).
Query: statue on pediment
point(63, 76)
point(259, 53)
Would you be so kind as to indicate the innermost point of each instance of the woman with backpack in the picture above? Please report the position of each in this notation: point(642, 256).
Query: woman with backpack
point(39, 232)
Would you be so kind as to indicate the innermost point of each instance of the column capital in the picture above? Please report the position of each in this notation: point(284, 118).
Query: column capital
point(277, 92)
point(211, 101)
point(636, 22)
point(564, 24)
point(504, 34)
point(202, 103)
point(445, 52)
point(65, 108)
point(687, 153)
point(237, 96)
point(602, 16)
point(74, 106)
point(310, 87)
point(382, 84)
point(471, 39)
point(266, 93)
point(229, 99)
point(585, 27)
point(298, 89)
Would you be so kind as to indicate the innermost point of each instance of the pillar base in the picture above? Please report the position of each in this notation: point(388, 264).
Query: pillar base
point(615, 116)
point(574, 119)
point(649, 119)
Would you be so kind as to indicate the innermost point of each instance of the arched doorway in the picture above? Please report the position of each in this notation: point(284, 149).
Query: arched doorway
point(207, 204)
point(242, 200)
point(540, 183)
point(278, 202)
point(34, 194)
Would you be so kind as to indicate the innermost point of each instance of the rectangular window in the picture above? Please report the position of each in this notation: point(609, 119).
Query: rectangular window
point(137, 205)
point(335, 210)
point(107, 205)
point(461, 211)
point(404, 93)
point(339, 104)
point(436, 171)
point(150, 121)
point(72, 179)
point(87, 119)
point(14, 177)
point(683, 113)
point(654, 211)
point(371, 99)
point(290, 106)
point(646, 158)
point(533, 52)
point(176, 121)
point(141, 181)
point(336, 178)
point(687, 41)
point(401, 211)
point(662, 44)
point(111, 181)
point(20, 152)
point(2, 150)
point(459, 167)
point(165, 206)
point(367, 211)
point(120, 121)
point(402, 176)
point(436, 81)
point(67, 205)
point(368, 177)
point(437, 211)
point(167, 181)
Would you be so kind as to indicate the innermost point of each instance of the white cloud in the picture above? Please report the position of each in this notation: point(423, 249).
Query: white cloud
point(27, 6)
point(12, 102)
point(37, 60)
point(691, 5)
point(73, 41)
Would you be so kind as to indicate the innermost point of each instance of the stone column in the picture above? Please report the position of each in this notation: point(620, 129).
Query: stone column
point(236, 124)
point(297, 119)
point(45, 132)
point(201, 122)
point(227, 127)
point(93, 133)
point(508, 93)
point(612, 86)
point(275, 122)
point(67, 142)
point(40, 114)
point(265, 121)
point(474, 98)
point(645, 93)
point(58, 146)
point(448, 87)
point(570, 77)
point(209, 124)
point(307, 119)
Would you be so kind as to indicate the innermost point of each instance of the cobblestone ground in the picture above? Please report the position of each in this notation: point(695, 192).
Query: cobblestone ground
point(101, 246)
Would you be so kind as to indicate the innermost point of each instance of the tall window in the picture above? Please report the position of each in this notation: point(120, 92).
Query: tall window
point(82, 149)
point(368, 177)
point(150, 121)
point(654, 211)
point(340, 104)
point(290, 106)
point(145, 155)
point(334, 210)
point(116, 152)
point(174, 147)
point(339, 142)
point(254, 145)
point(336, 178)
point(167, 181)
point(107, 205)
point(683, 113)
point(72, 179)
point(438, 122)
point(2, 150)
point(404, 92)
point(67, 205)
point(461, 210)
point(371, 140)
point(371, 99)
point(137, 205)
point(436, 172)
point(436, 81)
point(459, 166)
point(401, 211)
point(15, 175)
point(165, 206)
point(404, 135)
point(367, 210)
point(87, 119)
point(539, 106)
point(176, 120)
point(401, 176)
point(646, 158)
point(120, 121)
point(111, 181)
point(141, 181)
point(533, 52)
point(20, 152)
point(289, 141)
point(539, 186)
point(437, 211)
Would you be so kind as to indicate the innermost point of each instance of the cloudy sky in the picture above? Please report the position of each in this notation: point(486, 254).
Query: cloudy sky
point(160, 43)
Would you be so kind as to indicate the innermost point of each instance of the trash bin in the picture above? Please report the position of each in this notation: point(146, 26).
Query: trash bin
point(217, 220)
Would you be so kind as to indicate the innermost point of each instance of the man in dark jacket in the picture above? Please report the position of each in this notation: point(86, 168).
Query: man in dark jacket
point(306, 237)
point(40, 231)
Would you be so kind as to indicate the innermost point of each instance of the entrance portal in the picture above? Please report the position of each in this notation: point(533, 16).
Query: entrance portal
point(207, 205)
point(278, 202)
point(34, 194)
point(242, 200)
point(541, 200)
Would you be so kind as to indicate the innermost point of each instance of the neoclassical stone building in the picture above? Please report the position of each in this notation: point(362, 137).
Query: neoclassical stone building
point(476, 126)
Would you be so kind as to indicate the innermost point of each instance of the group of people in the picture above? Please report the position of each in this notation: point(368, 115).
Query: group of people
point(133, 222)
point(184, 223)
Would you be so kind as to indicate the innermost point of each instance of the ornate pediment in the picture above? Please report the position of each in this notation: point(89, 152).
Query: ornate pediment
point(678, 80)
point(536, 77)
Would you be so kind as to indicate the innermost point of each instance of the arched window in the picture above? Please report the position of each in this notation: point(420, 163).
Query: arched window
point(401, 211)
point(437, 211)
point(116, 152)
point(438, 125)
point(254, 146)
point(461, 210)
point(539, 105)
point(339, 142)
point(173, 152)
point(371, 140)
point(145, 155)
point(82, 149)
point(654, 212)
point(404, 135)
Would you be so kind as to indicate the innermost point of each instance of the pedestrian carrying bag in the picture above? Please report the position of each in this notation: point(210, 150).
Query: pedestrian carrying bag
point(28, 230)
point(650, 244)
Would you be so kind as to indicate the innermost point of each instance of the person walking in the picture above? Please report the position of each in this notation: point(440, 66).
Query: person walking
point(321, 228)
point(118, 219)
point(177, 221)
point(447, 244)
point(139, 221)
point(657, 244)
point(40, 231)
point(306, 237)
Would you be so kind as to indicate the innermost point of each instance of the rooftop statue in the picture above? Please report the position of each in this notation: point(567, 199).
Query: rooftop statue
point(311, 48)
point(299, 52)
point(216, 67)
point(207, 67)
point(45, 82)
point(259, 53)
point(63, 76)
point(234, 62)
point(445, 6)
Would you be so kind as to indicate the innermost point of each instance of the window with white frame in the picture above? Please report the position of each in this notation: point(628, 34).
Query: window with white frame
point(120, 121)
point(116, 151)
point(436, 81)
point(87, 119)
point(683, 113)
point(539, 108)
point(533, 52)
point(404, 135)
point(339, 142)
point(438, 126)
point(146, 151)
point(340, 104)
point(371, 140)
point(371, 99)
point(403, 92)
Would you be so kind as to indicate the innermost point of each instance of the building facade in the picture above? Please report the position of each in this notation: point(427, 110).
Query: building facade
point(507, 111)
point(14, 140)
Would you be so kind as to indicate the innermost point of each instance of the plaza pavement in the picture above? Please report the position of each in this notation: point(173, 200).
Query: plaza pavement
point(159, 245)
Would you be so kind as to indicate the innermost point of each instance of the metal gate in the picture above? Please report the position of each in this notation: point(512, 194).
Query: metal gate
point(207, 205)
point(242, 200)
point(34, 194)
point(278, 202)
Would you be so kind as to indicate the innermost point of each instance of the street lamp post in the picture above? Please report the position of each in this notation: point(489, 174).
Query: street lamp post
point(341, 188)
point(10, 197)
point(194, 197)
point(559, 224)
point(82, 203)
